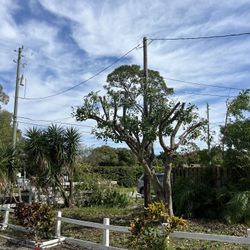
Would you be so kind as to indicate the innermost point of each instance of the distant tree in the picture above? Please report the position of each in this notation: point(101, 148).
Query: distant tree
point(138, 114)
point(6, 128)
point(126, 157)
point(4, 98)
point(236, 133)
point(103, 156)
point(108, 156)
point(236, 138)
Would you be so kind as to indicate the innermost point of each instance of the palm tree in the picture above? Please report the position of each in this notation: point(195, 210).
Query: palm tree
point(56, 155)
point(53, 152)
point(35, 148)
point(72, 139)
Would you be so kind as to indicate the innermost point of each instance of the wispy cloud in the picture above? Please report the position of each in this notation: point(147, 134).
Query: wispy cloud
point(65, 43)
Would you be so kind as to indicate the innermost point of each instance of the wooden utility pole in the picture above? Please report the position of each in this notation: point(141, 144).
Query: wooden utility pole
point(145, 111)
point(208, 130)
point(16, 98)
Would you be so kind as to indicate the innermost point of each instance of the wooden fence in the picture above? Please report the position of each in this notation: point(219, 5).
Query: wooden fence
point(106, 227)
point(216, 175)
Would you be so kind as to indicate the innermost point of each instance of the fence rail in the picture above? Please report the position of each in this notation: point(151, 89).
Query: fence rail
point(106, 227)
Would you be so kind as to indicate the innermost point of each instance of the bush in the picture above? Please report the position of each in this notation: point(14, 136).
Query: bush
point(152, 229)
point(37, 217)
point(238, 208)
point(106, 197)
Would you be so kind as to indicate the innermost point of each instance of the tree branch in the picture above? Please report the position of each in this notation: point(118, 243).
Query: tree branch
point(187, 132)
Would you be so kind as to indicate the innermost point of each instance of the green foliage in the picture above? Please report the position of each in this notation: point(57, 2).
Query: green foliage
point(51, 154)
point(105, 196)
point(109, 197)
point(125, 176)
point(236, 134)
point(6, 129)
point(195, 200)
point(103, 156)
point(7, 168)
point(4, 98)
point(238, 208)
point(108, 156)
point(37, 217)
point(93, 189)
point(152, 229)
point(240, 106)
point(140, 113)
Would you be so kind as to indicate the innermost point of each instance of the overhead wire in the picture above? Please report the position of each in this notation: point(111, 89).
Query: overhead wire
point(54, 121)
point(42, 125)
point(200, 37)
point(206, 94)
point(90, 78)
point(201, 84)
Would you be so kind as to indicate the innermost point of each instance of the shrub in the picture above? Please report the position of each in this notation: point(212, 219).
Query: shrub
point(238, 208)
point(152, 229)
point(125, 176)
point(106, 197)
point(37, 217)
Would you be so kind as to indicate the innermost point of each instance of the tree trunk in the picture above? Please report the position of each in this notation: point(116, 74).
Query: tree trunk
point(154, 180)
point(71, 191)
point(147, 193)
point(167, 187)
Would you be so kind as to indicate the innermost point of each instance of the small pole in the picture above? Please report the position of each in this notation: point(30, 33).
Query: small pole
point(59, 224)
point(106, 233)
point(6, 216)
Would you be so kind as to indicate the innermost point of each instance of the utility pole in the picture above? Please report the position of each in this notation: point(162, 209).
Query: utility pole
point(145, 111)
point(16, 97)
point(208, 130)
point(225, 130)
point(145, 68)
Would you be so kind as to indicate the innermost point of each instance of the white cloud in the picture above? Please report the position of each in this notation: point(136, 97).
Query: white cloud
point(99, 31)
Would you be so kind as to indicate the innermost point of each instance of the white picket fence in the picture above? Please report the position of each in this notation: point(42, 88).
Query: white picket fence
point(106, 227)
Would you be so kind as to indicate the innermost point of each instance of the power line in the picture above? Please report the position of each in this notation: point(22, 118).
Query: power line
point(200, 37)
point(54, 121)
point(30, 123)
point(90, 78)
point(192, 93)
point(41, 125)
point(201, 84)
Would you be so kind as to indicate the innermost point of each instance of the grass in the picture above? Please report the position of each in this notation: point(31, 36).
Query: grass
point(123, 216)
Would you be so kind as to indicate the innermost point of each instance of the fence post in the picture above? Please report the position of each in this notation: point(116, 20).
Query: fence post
point(106, 233)
point(58, 224)
point(6, 216)
point(248, 236)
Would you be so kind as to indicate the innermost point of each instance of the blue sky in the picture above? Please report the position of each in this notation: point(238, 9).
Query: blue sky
point(67, 42)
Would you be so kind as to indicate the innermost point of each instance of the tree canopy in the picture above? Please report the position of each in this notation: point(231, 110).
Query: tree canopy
point(139, 113)
point(236, 133)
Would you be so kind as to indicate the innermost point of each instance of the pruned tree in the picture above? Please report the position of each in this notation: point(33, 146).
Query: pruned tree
point(121, 115)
